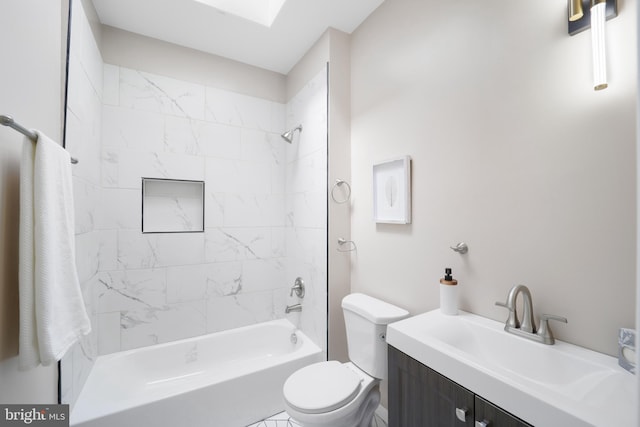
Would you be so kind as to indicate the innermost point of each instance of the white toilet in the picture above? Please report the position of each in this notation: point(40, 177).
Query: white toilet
point(334, 394)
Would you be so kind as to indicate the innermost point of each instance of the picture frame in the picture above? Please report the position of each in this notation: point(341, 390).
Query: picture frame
point(392, 191)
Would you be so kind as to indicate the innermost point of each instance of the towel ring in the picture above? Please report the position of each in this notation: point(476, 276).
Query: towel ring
point(339, 183)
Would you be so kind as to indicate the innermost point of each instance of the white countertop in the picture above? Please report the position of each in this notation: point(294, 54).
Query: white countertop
point(559, 385)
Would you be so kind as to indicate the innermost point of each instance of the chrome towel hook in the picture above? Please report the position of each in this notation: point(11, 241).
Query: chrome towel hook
point(343, 242)
point(340, 183)
point(461, 248)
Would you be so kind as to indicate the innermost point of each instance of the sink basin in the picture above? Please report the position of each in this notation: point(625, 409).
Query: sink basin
point(545, 385)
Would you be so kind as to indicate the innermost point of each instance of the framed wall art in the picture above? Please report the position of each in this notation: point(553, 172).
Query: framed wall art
point(392, 191)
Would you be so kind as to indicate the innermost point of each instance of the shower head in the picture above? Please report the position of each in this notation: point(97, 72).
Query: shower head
point(288, 135)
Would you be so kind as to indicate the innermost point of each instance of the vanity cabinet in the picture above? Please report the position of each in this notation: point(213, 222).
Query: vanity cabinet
point(485, 410)
point(421, 397)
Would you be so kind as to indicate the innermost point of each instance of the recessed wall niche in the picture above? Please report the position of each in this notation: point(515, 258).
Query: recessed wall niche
point(172, 206)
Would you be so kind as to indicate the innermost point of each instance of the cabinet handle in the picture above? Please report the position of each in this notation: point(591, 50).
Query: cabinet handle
point(483, 423)
point(461, 414)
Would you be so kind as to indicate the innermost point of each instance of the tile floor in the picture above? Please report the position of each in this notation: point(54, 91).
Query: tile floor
point(283, 420)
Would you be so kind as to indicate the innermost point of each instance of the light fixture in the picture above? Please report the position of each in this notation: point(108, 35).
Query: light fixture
point(575, 10)
point(593, 13)
point(598, 18)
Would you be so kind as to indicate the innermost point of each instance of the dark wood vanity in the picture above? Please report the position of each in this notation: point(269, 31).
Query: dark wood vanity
point(421, 397)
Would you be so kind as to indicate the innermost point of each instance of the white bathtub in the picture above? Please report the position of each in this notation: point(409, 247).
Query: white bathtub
point(226, 379)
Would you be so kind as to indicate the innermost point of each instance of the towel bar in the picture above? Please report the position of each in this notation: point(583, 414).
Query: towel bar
point(8, 121)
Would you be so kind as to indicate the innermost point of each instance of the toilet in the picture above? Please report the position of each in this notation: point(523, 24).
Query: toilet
point(335, 394)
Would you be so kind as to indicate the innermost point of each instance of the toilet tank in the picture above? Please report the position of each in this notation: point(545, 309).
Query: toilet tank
point(366, 319)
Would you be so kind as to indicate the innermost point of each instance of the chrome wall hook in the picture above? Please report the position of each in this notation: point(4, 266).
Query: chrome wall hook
point(343, 242)
point(461, 248)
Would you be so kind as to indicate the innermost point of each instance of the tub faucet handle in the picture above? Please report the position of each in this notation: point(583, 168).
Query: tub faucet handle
point(298, 288)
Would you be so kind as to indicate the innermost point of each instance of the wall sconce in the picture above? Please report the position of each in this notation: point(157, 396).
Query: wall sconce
point(584, 14)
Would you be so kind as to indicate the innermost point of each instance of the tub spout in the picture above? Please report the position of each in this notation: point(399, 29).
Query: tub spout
point(294, 307)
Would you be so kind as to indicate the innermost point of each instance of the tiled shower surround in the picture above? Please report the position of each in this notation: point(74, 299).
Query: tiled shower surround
point(169, 286)
point(161, 287)
point(83, 132)
point(265, 206)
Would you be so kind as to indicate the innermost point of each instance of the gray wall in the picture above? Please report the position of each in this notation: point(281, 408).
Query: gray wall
point(513, 152)
point(31, 83)
point(142, 53)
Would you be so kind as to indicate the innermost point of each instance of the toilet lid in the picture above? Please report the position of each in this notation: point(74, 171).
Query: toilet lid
point(321, 387)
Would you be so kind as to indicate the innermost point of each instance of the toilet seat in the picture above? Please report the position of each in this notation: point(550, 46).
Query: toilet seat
point(321, 387)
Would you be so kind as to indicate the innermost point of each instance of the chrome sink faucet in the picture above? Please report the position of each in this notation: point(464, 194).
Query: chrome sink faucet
point(527, 324)
point(527, 329)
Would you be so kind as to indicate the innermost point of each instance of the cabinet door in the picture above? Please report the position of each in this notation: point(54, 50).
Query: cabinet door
point(494, 416)
point(420, 397)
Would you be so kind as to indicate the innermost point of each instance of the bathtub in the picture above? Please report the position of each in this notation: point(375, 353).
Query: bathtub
point(226, 379)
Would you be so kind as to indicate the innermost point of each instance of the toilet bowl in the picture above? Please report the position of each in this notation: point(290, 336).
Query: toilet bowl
point(341, 396)
point(335, 394)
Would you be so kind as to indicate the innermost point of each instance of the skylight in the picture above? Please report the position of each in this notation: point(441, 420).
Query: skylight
point(264, 12)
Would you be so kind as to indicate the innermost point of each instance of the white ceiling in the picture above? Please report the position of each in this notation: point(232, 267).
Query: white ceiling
point(193, 24)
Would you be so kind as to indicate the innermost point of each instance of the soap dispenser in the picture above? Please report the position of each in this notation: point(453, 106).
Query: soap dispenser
point(448, 294)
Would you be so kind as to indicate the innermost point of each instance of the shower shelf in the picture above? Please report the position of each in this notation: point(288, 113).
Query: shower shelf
point(172, 206)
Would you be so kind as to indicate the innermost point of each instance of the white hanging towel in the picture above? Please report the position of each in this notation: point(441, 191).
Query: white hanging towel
point(52, 312)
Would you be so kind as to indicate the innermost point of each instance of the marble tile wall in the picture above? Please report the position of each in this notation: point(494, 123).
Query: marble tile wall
point(306, 205)
point(165, 287)
point(94, 249)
